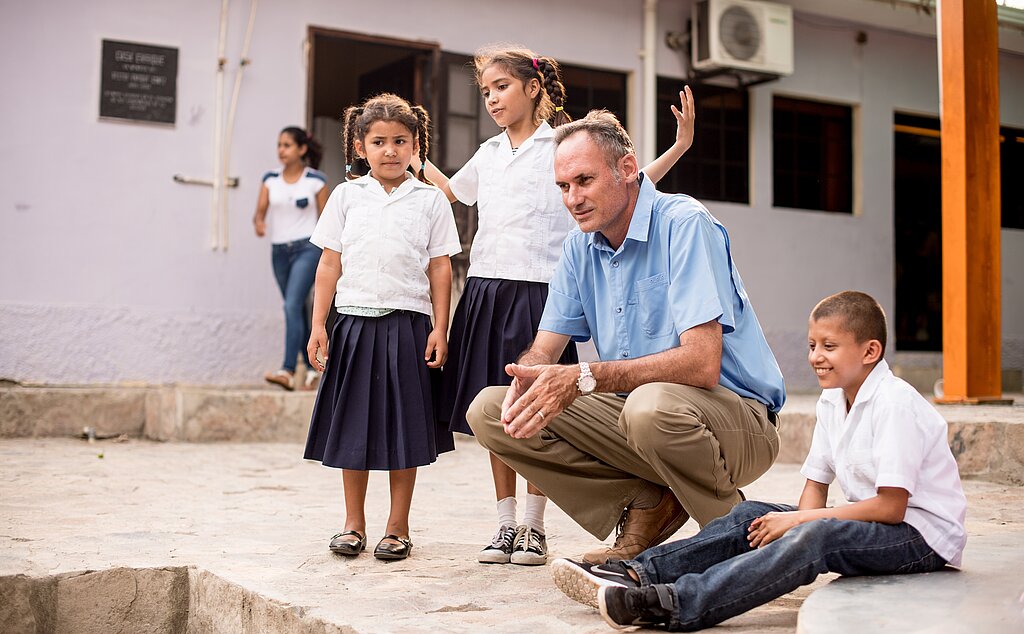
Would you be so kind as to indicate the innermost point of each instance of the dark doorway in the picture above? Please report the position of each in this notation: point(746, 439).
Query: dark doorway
point(917, 211)
point(345, 68)
point(917, 194)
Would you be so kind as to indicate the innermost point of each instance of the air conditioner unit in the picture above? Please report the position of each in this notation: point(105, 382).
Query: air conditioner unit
point(746, 35)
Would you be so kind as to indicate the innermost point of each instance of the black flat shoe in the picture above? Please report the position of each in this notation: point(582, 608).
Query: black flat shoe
point(343, 544)
point(392, 552)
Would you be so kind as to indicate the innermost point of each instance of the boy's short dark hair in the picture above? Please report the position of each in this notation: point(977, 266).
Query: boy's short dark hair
point(860, 313)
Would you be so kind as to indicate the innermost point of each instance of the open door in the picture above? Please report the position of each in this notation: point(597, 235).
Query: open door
point(345, 68)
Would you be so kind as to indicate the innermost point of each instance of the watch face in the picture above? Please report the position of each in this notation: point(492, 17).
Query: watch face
point(586, 384)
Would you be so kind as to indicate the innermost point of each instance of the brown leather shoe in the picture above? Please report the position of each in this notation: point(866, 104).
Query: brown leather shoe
point(639, 529)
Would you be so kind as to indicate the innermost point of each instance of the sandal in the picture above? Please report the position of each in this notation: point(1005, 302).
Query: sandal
point(349, 547)
point(393, 552)
point(312, 380)
point(283, 378)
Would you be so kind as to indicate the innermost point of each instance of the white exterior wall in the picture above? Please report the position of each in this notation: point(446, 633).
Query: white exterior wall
point(108, 273)
point(108, 276)
point(792, 258)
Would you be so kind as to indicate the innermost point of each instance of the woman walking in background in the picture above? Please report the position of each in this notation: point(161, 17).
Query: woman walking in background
point(293, 198)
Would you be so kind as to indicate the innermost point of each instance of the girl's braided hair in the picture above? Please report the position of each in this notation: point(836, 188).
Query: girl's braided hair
point(524, 65)
point(385, 107)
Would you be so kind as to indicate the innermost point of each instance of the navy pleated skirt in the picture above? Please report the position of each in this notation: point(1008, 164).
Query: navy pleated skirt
point(495, 321)
point(375, 409)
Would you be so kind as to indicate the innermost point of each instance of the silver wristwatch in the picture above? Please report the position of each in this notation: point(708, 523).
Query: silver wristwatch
point(586, 384)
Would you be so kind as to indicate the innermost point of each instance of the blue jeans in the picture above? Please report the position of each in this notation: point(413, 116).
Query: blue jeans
point(716, 575)
point(295, 270)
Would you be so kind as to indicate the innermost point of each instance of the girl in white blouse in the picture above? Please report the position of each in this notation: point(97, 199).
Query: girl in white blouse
point(392, 235)
point(522, 223)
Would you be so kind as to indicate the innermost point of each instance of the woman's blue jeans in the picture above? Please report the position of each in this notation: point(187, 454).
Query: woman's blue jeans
point(295, 270)
point(716, 574)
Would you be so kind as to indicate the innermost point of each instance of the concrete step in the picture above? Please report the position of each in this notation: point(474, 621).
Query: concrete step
point(171, 413)
point(987, 440)
point(165, 599)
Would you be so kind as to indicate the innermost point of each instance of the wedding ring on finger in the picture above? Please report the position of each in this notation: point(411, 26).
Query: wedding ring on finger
point(541, 414)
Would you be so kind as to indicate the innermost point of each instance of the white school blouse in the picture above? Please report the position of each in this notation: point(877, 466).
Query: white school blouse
point(386, 241)
point(293, 212)
point(522, 220)
point(892, 437)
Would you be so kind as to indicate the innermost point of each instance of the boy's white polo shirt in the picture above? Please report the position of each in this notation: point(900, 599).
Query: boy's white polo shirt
point(522, 220)
point(386, 241)
point(892, 437)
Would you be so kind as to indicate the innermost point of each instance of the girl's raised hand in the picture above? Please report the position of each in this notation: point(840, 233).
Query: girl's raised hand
point(437, 347)
point(317, 343)
point(684, 115)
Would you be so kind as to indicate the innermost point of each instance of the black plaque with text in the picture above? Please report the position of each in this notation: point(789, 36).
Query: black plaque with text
point(139, 82)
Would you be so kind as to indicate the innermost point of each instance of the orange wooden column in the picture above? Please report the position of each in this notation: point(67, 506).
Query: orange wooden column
point(971, 294)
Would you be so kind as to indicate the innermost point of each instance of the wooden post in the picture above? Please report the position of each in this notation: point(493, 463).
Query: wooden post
point(971, 294)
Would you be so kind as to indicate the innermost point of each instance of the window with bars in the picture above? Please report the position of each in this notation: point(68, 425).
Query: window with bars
point(812, 149)
point(926, 129)
point(717, 166)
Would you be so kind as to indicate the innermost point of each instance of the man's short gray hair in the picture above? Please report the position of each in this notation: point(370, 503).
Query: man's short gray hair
point(605, 130)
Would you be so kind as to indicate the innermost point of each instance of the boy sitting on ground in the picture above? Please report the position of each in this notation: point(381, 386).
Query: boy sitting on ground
point(885, 444)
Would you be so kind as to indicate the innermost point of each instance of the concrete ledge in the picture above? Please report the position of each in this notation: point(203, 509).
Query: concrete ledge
point(175, 413)
point(209, 414)
point(987, 440)
point(217, 605)
point(115, 600)
point(983, 597)
point(174, 600)
point(64, 411)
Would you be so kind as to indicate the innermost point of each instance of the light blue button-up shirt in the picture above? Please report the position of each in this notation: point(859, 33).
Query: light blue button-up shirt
point(673, 272)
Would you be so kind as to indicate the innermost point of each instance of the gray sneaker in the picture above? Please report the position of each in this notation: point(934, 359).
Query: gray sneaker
point(529, 548)
point(499, 551)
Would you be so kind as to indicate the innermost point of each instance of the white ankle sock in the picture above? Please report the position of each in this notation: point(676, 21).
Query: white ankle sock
point(507, 511)
point(534, 515)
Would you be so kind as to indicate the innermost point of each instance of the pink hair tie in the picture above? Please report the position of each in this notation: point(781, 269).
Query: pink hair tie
point(536, 66)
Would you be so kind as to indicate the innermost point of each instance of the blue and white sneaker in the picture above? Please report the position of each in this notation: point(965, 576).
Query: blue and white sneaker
point(582, 581)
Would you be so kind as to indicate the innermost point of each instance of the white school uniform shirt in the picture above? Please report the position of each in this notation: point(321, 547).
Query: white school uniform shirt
point(522, 220)
point(892, 437)
point(293, 211)
point(386, 241)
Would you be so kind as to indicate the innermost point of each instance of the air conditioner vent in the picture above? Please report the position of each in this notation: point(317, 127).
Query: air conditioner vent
point(745, 35)
point(740, 33)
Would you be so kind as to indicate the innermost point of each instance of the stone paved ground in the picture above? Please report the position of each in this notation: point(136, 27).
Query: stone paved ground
point(258, 516)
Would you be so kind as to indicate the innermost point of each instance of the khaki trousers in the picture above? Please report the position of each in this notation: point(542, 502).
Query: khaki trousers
point(594, 458)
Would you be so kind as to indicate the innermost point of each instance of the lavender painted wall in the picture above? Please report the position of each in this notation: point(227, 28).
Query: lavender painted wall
point(792, 258)
point(108, 275)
